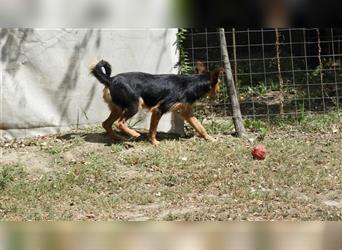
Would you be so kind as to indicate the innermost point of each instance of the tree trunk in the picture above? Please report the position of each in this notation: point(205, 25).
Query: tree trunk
point(237, 117)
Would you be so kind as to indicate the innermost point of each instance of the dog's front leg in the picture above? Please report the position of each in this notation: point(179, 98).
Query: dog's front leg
point(186, 113)
point(155, 118)
point(198, 127)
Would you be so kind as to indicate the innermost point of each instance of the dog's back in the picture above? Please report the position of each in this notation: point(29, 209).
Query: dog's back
point(166, 89)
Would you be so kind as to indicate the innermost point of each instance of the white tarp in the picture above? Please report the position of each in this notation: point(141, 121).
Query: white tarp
point(45, 82)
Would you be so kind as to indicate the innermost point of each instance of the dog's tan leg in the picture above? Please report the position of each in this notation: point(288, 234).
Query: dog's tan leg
point(155, 118)
point(122, 125)
point(186, 113)
point(198, 127)
point(107, 124)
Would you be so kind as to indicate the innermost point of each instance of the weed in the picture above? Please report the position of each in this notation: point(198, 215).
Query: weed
point(8, 174)
point(256, 125)
point(217, 126)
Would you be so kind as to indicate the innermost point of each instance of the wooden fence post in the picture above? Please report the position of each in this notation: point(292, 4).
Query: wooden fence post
point(237, 117)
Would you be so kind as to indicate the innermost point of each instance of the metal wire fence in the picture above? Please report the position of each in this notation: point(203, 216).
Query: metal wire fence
point(277, 72)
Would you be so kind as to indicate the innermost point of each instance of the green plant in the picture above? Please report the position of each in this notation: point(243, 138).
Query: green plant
point(320, 122)
point(7, 175)
point(218, 126)
point(183, 64)
point(263, 132)
point(262, 88)
point(257, 126)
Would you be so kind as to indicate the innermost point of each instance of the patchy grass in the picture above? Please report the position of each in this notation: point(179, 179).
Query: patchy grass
point(82, 175)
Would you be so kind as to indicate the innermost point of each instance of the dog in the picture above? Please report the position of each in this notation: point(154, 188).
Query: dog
point(126, 93)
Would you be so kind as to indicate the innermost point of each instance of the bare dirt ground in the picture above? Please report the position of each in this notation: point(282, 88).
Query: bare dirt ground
point(83, 175)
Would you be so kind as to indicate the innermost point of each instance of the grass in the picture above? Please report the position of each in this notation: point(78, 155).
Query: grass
point(84, 176)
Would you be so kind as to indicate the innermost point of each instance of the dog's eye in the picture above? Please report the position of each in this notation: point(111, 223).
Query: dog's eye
point(103, 70)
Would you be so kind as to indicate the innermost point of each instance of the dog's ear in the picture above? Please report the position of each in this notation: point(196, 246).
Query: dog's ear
point(200, 68)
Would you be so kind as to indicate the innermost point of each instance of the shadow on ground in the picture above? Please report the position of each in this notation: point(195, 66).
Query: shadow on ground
point(103, 138)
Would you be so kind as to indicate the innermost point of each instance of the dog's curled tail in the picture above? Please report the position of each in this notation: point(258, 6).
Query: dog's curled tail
point(97, 71)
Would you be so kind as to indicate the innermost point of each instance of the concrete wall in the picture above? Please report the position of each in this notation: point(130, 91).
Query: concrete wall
point(45, 82)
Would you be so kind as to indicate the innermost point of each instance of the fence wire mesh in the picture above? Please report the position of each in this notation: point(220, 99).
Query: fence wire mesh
point(277, 72)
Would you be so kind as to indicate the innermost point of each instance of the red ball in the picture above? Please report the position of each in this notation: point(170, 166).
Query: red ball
point(259, 152)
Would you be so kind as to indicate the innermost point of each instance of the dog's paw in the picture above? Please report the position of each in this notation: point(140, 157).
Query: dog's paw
point(136, 135)
point(210, 138)
point(154, 142)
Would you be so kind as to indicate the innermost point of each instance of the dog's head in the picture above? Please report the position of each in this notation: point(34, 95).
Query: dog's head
point(215, 81)
point(214, 77)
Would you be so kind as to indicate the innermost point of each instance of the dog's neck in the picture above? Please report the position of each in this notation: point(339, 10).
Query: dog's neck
point(200, 88)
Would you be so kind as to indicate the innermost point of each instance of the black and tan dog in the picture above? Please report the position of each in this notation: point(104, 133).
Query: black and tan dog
point(126, 93)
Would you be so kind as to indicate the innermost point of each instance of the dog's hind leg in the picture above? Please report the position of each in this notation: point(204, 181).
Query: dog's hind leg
point(122, 122)
point(108, 123)
point(155, 118)
point(122, 125)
